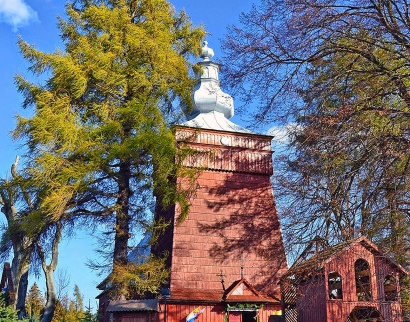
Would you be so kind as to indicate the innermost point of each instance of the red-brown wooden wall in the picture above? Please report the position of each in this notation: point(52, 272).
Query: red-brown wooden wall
point(233, 220)
point(314, 303)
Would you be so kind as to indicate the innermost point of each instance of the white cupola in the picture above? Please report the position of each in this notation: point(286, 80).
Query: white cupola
point(212, 107)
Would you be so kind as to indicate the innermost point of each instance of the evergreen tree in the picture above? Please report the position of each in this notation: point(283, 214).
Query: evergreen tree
point(7, 313)
point(99, 139)
point(78, 302)
point(70, 309)
point(34, 303)
point(60, 312)
point(89, 316)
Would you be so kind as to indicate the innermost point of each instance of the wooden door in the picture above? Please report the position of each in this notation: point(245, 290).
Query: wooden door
point(235, 316)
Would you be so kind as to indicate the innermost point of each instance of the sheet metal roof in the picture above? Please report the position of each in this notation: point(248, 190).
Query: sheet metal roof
point(133, 305)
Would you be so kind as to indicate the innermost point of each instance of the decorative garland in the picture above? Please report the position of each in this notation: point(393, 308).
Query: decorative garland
point(242, 306)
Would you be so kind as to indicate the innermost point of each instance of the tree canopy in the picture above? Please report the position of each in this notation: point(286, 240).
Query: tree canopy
point(273, 51)
point(337, 73)
point(99, 141)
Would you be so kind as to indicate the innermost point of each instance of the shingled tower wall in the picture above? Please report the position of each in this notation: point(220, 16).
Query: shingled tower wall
point(232, 230)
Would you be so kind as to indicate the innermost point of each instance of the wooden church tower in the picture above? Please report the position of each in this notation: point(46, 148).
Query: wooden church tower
point(227, 256)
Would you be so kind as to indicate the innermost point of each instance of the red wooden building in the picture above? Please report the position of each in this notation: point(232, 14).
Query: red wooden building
point(349, 282)
point(7, 285)
point(227, 257)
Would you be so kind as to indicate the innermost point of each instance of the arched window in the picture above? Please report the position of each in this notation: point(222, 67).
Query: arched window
point(390, 288)
point(363, 283)
point(334, 283)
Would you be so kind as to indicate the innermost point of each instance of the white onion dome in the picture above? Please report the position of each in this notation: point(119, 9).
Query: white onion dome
point(212, 107)
point(207, 95)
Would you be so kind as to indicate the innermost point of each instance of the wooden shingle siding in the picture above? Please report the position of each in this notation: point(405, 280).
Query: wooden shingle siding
point(231, 233)
point(233, 221)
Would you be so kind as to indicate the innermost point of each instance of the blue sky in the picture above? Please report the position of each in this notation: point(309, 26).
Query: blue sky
point(35, 21)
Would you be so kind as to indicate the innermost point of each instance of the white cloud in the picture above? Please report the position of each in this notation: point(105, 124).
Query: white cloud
point(281, 133)
point(16, 13)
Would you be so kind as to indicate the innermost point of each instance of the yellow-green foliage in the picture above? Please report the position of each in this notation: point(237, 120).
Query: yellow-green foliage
point(70, 309)
point(131, 279)
point(34, 302)
point(99, 138)
point(7, 313)
point(123, 59)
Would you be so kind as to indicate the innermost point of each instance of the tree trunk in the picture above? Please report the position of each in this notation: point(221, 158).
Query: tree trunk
point(20, 281)
point(19, 269)
point(122, 217)
point(51, 295)
point(21, 245)
point(49, 274)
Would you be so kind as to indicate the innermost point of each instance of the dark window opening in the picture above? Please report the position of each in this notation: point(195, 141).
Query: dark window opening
point(275, 318)
point(248, 316)
point(335, 286)
point(365, 314)
point(390, 288)
point(363, 281)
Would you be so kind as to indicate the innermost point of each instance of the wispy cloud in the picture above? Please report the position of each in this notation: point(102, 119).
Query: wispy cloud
point(281, 133)
point(16, 13)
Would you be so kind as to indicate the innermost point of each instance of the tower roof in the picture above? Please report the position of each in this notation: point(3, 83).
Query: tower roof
point(212, 107)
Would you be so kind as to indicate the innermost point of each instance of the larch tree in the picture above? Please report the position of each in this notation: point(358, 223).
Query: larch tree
point(34, 303)
point(78, 300)
point(99, 141)
point(70, 309)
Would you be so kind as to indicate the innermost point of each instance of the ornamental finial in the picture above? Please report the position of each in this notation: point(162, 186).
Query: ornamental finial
point(207, 53)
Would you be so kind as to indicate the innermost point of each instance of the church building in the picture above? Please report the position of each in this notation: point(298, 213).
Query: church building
point(226, 258)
